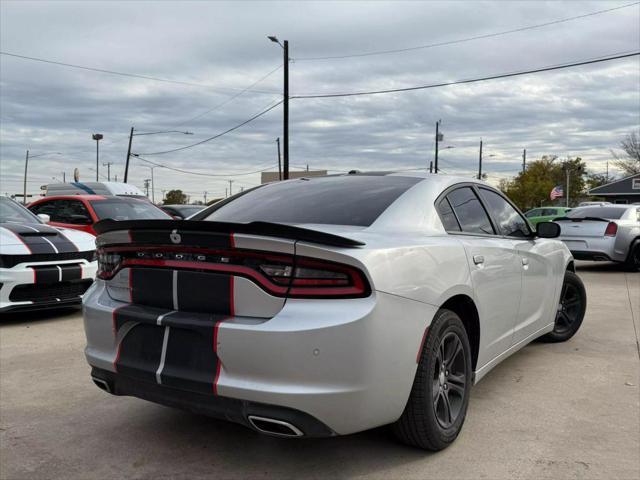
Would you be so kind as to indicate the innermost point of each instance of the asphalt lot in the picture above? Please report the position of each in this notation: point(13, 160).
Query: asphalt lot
point(558, 411)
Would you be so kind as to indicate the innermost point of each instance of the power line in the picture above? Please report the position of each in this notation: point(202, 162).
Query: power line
point(474, 80)
point(249, 120)
point(191, 172)
point(132, 75)
point(467, 39)
point(230, 99)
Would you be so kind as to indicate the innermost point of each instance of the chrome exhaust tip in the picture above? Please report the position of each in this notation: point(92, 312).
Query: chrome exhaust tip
point(271, 426)
point(102, 384)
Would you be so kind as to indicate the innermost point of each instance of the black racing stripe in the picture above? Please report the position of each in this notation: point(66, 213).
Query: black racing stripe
point(140, 351)
point(47, 274)
point(62, 243)
point(152, 286)
point(190, 362)
point(71, 272)
point(192, 239)
point(35, 243)
point(138, 314)
point(204, 292)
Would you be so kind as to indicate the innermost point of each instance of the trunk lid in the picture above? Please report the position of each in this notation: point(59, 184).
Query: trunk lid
point(582, 227)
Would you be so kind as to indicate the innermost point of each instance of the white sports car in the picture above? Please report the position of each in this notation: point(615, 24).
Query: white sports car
point(328, 305)
point(41, 266)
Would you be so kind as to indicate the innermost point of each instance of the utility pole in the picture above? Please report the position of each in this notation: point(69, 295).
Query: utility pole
point(126, 165)
point(97, 137)
point(279, 163)
point(438, 138)
point(480, 162)
point(230, 190)
point(64, 178)
point(153, 187)
point(431, 166)
point(146, 186)
point(524, 160)
point(205, 198)
point(108, 165)
point(286, 110)
point(566, 169)
point(607, 177)
point(26, 164)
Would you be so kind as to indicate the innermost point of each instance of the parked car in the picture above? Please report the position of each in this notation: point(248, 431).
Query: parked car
point(181, 212)
point(329, 305)
point(588, 204)
point(81, 212)
point(545, 214)
point(603, 232)
point(94, 188)
point(41, 266)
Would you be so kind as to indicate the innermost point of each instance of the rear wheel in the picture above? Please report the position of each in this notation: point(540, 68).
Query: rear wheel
point(633, 260)
point(571, 309)
point(437, 406)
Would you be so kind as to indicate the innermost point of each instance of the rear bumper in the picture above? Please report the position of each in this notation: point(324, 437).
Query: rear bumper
point(348, 363)
point(594, 248)
point(230, 409)
point(591, 255)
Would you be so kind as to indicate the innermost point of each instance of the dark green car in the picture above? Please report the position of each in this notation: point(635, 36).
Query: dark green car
point(545, 214)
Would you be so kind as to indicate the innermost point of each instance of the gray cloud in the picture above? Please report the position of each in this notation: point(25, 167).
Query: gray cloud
point(47, 108)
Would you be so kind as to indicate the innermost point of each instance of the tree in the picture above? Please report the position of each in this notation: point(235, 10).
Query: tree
point(175, 197)
point(532, 187)
point(629, 162)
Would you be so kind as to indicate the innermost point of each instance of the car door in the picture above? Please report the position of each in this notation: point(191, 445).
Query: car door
point(535, 256)
point(495, 269)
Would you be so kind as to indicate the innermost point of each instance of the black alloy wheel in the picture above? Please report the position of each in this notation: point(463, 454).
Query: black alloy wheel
point(449, 379)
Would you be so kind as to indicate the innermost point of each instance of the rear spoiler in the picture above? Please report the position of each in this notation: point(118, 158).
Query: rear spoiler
point(579, 219)
point(266, 229)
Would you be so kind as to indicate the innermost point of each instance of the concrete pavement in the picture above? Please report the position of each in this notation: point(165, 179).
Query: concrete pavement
point(560, 411)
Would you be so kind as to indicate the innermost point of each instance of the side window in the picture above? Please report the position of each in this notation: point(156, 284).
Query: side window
point(533, 213)
point(46, 208)
point(469, 211)
point(549, 212)
point(449, 220)
point(510, 222)
point(76, 213)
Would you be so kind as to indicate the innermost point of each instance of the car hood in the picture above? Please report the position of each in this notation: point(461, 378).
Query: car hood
point(27, 238)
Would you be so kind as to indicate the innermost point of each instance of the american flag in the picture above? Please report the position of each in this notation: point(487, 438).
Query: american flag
point(557, 192)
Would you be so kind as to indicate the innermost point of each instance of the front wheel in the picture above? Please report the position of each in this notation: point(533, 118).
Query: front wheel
point(571, 309)
point(437, 406)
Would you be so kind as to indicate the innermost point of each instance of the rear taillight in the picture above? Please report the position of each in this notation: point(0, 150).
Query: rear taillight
point(611, 230)
point(280, 275)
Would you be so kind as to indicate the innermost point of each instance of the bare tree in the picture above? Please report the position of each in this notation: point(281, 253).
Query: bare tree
point(629, 163)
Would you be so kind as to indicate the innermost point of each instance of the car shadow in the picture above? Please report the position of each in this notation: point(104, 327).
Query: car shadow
point(599, 267)
point(30, 316)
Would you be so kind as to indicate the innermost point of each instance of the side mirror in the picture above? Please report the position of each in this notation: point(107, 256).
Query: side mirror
point(548, 230)
point(44, 217)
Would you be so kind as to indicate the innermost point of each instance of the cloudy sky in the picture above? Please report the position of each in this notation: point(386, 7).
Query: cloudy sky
point(219, 49)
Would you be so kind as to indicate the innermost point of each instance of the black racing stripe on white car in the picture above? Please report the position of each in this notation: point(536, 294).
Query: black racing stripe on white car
point(71, 272)
point(62, 243)
point(46, 274)
point(29, 236)
point(152, 287)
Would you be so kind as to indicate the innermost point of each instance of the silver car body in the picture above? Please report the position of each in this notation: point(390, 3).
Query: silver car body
point(350, 363)
point(587, 239)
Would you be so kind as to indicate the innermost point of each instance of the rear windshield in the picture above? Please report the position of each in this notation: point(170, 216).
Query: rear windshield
point(345, 200)
point(610, 213)
point(127, 209)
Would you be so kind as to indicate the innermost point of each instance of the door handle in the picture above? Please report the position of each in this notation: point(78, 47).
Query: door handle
point(478, 259)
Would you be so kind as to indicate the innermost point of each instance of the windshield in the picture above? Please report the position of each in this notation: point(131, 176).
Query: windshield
point(11, 211)
point(610, 213)
point(118, 208)
point(341, 200)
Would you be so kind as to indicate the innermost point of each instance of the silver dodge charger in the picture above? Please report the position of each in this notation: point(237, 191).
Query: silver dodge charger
point(330, 305)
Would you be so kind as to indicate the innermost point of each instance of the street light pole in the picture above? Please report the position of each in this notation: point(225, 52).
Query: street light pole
point(97, 137)
point(524, 160)
point(24, 192)
point(131, 135)
point(437, 140)
point(279, 162)
point(480, 162)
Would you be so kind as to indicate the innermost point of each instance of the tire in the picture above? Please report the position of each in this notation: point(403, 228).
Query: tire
point(632, 263)
point(424, 422)
point(570, 313)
